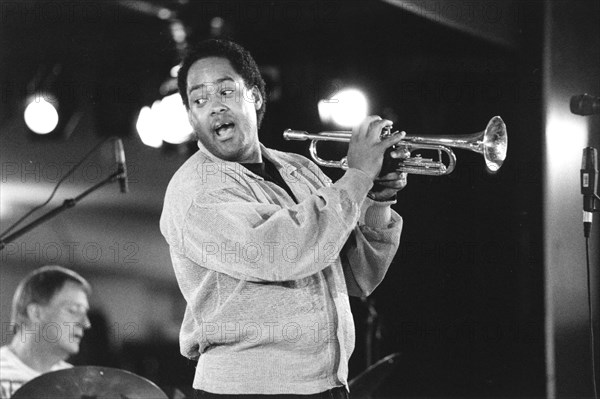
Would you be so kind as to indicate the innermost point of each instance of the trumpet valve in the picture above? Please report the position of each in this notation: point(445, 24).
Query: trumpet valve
point(402, 150)
point(386, 132)
point(418, 164)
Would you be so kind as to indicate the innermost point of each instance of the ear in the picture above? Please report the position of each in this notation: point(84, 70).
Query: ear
point(189, 115)
point(258, 98)
point(34, 312)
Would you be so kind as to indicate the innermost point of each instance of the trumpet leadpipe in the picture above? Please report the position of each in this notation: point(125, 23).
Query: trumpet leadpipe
point(300, 135)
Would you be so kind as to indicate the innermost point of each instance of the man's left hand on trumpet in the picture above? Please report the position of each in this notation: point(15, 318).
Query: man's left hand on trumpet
point(370, 129)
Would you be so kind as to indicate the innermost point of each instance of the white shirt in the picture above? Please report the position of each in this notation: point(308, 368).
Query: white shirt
point(14, 373)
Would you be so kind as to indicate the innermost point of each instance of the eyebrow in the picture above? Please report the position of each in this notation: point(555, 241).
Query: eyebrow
point(218, 81)
point(71, 303)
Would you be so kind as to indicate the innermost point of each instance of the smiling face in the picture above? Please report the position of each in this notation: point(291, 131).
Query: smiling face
point(64, 319)
point(222, 110)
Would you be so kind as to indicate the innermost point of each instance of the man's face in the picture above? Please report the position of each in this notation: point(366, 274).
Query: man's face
point(222, 110)
point(64, 319)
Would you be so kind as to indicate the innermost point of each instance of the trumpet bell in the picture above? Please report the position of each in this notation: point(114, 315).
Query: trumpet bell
point(494, 144)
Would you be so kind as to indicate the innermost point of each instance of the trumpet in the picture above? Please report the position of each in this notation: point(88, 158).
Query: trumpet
point(492, 143)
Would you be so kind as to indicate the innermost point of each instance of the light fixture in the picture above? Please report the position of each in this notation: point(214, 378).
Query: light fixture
point(41, 113)
point(147, 129)
point(172, 113)
point(166, 120)
point(48, 110)
point(346, 108)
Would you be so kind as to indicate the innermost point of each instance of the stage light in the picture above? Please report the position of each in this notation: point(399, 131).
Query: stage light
point(173, 117)
point(147, 129)
point(178, 31)
point(49, 109)
point(564, 156)
point(216, 26)
point(346, 108)
point(41, 113)
point(165, 14)
point(165, 121)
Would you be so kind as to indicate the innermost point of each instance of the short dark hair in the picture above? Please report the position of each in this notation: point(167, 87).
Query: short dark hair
point(240, 59)
point(40, 286)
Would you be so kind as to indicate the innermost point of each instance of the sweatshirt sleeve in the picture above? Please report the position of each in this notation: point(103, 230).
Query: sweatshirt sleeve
point(371, 247)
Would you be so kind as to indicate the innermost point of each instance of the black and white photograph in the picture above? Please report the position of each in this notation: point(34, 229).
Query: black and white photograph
point(287, 199)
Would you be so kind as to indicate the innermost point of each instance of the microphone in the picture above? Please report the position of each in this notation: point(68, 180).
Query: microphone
point(584, 104)
point(589, 185)
point(121, 166)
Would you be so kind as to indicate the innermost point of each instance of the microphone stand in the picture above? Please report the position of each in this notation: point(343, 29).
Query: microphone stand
point(68, 203)
point(372, 335)
point(588, 216)
point(589, 182)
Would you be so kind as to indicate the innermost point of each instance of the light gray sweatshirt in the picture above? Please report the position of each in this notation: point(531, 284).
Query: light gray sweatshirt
point(266, 279)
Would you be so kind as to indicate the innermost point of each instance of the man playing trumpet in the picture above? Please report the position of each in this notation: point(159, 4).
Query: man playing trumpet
point(266, 249)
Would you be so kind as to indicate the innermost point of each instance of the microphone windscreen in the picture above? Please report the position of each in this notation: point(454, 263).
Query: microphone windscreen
point(584, 104)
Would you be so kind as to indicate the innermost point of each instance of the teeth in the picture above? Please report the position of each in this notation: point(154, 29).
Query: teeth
point(221, 126)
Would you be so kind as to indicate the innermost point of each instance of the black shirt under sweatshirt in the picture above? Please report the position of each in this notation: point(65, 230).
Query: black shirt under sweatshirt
point(269, 172)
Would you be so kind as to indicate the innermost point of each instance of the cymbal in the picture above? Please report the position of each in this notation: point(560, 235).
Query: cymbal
point(90, 382)
point(365, 384)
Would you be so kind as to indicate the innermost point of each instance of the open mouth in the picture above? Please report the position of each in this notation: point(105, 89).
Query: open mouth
point(224, 129)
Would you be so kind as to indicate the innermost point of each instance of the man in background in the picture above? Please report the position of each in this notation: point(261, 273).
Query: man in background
point(49, 317)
